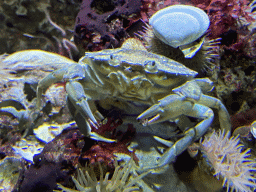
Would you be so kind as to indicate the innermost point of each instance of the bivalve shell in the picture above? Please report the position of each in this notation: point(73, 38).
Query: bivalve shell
point(253, 129)
point(178, 25)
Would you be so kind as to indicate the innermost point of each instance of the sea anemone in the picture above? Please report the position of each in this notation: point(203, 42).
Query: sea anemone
point(230, 161)
point(124, 179)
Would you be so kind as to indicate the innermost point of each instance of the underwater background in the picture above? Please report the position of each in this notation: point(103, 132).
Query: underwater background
point(47, 150)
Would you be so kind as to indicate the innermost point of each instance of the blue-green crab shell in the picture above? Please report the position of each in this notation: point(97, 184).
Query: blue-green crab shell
point(178, 25)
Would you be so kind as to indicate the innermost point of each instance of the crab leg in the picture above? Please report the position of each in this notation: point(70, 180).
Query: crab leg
point(78, 97)
point(170, 108)
point(47, 81)
point(192, 90)
point(74, 89)
point(213, 102)
point(198, 111)
point(22, 115)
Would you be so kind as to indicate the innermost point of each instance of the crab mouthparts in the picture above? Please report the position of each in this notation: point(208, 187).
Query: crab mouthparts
point(147, 121)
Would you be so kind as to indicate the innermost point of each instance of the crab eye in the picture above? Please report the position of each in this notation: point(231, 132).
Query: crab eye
point(150, 66)
point(114, 61)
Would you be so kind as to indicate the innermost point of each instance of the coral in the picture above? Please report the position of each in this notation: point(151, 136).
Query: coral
point(19, 77)
point(43, 177)
point(243, 118)
point(47, 132)
point(149, 7)
point(230, 161)
point(27, 148)
point(102, 25)
point(108, 125)
point(224, 14)
point(105, 152)
point(9, 173)
point(65, 47)
point(65, 147)
point(227, 16)
point(7, 141)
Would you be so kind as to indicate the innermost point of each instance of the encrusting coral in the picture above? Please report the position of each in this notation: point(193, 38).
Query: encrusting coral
point(230, 161)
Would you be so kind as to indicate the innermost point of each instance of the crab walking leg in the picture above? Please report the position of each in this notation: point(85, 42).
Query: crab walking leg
point(22, 115)
point(198, 111)
point(72, 71)
point(192, 90)
point(224, 117)
point(47, 81)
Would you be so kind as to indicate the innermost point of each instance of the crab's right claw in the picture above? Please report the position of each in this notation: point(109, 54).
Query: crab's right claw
point(78, 98)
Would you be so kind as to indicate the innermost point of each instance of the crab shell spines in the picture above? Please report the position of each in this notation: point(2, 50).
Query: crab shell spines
point(179, 24)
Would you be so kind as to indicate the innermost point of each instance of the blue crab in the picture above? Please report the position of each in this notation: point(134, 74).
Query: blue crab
point(143, 84)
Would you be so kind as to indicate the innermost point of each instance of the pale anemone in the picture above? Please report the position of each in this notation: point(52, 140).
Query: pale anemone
point(230, 161)
point(178, 32)
point(124, 179)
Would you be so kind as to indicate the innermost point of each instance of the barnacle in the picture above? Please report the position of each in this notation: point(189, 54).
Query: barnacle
point(229, 161)
point(124, 179)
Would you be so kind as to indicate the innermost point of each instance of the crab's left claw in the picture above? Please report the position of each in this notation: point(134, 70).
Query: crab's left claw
point(71, 74)
point(168, 108)
point(78, 98)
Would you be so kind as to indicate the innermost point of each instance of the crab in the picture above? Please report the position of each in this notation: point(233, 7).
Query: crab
point(152, 87)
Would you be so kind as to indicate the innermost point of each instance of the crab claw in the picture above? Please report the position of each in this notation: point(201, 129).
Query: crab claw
point(167, 108)
point(97, 137)
point(78, 97)
point(152, 111)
